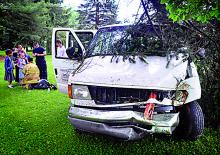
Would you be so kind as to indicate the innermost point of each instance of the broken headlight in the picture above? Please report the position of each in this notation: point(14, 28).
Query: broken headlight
point(181, 95)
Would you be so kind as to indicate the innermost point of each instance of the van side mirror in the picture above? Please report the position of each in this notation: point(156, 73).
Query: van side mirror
point(74, 53)
point(201, 53)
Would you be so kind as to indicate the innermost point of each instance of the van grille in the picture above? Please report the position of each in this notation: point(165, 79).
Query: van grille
point(112, 95)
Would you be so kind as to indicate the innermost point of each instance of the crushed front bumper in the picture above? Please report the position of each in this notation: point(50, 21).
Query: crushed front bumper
point(126, 124)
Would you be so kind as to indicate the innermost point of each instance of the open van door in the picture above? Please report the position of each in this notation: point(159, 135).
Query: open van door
point(63, 65)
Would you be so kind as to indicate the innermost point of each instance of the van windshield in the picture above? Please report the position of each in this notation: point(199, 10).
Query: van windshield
point(126, 40)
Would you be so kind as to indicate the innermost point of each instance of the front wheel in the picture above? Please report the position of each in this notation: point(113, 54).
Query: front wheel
point(191, 123)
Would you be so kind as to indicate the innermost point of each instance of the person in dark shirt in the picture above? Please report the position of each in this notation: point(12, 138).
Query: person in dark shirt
point(40, 53)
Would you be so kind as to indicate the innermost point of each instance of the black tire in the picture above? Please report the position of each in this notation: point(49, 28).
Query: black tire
point(191, 124)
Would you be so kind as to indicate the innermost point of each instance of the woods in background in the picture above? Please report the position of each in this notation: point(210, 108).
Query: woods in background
point(26, 21)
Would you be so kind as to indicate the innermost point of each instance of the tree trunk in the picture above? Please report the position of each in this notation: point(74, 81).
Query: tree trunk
point(48, 46)
point(97, 15)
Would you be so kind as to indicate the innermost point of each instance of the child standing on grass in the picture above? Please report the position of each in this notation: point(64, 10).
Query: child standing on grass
point(21, 63)
point(9, 66)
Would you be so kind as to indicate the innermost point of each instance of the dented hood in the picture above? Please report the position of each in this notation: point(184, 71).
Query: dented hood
point(155, 73)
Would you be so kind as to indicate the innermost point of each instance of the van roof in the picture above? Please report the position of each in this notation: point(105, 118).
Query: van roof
point(130, 24)
point(115, 25)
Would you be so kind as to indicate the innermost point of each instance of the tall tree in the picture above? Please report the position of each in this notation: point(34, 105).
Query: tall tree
point(95, 13)
point(58, 17)
point(25, 21)
point(20, 21)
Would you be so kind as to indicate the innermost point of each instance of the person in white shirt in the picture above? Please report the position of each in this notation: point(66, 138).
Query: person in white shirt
point(61, 50)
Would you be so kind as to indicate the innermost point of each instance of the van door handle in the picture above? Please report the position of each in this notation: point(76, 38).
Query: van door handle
point(55, 70)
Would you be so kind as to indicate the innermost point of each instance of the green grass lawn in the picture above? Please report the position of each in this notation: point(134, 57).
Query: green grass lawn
point(35, 122)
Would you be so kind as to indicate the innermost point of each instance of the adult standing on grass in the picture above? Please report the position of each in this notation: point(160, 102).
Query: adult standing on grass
point(40, 53)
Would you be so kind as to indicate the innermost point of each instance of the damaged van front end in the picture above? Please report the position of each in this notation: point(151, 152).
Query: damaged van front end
point(140, 99)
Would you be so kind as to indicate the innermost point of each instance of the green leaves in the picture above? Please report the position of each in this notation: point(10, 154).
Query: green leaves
point(164, 1)
point(199, 10)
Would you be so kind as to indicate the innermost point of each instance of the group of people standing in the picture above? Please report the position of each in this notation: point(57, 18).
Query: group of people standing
point(25, 71)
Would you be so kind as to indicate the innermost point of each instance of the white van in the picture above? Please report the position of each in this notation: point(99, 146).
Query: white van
point(124, 95)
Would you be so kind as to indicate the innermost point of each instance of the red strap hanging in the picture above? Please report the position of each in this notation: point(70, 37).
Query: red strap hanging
point(148, 113)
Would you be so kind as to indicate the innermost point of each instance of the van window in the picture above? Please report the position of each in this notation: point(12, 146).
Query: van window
point(68, 40)
point(61, 43)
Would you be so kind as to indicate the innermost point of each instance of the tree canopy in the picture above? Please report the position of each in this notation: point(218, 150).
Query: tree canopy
point(198, 10)
point(25, 21)
point(94, 13)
